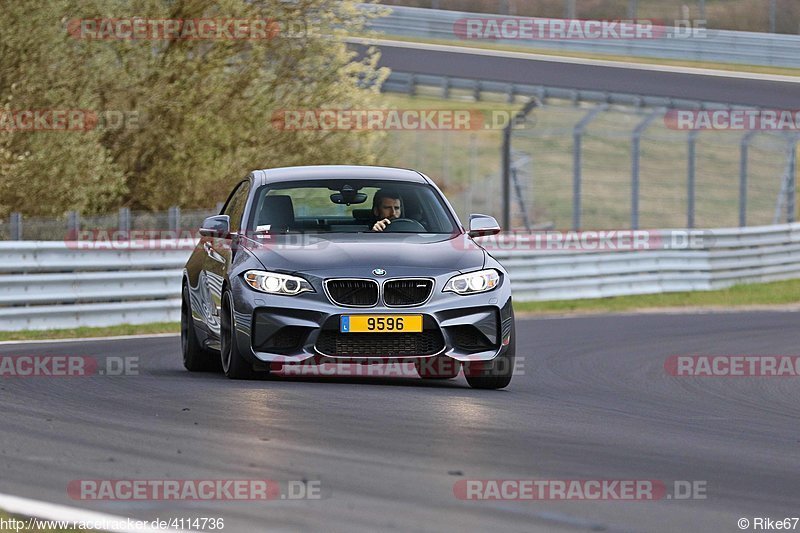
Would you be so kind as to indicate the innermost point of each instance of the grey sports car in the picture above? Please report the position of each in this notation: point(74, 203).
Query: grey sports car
point(332, 264)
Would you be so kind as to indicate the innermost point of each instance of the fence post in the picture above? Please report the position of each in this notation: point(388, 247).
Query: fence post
point(577, 137)
point(633, 9)
point(73, 224)
point(506, 158)
point(743, 159)
point(15, 223)
point(174, 218)
point(690, 179)
point(635, 156)
point(125, 220)
point(569, 9)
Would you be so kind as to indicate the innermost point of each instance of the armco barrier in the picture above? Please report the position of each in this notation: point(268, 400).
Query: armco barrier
point(718, 46)
point(46, 285)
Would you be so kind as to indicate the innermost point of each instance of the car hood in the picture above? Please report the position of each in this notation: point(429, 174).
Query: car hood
point(358, 254)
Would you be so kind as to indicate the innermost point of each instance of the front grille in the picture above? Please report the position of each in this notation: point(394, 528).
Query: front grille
point(332, 342)
point(353, 292)
point(406, 292)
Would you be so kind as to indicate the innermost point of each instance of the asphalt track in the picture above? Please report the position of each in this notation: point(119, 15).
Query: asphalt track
point(564, 73)
point(593, 402)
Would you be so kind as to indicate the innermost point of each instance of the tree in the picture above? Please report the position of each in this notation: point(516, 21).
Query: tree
point(196, 112)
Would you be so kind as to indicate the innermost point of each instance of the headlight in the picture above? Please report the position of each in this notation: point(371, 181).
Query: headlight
point(474, 282)
point(274, 283)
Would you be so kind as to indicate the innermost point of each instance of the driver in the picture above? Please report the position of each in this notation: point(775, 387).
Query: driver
point(386, 206)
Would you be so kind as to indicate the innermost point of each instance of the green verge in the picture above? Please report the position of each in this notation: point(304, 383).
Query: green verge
point(756, 294)
point(110, 331)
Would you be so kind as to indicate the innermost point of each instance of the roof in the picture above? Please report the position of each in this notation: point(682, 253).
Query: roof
point(316, 172)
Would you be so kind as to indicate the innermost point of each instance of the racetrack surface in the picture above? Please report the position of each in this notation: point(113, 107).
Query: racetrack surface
point(562, 73)
point(593, 402)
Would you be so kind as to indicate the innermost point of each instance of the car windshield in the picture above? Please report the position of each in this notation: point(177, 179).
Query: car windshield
point(349, 206)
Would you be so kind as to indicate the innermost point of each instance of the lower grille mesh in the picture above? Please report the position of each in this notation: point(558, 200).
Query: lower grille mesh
point(428, 342)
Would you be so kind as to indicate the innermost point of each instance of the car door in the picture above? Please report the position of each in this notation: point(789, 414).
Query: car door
point(218, 255)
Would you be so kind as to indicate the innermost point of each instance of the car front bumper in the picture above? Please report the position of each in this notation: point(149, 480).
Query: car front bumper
point(302, 329)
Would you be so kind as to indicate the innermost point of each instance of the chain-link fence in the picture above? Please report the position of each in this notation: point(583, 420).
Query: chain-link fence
point(174, 223)
point(598, 165)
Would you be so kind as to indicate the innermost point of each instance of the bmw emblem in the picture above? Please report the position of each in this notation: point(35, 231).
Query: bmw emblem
point(379, 272)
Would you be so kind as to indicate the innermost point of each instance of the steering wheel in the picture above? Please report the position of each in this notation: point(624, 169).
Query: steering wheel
point(405, 225)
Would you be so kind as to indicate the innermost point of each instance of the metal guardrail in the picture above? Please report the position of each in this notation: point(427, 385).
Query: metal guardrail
point(49, 285)
point(718, 46)
point(46, 285)
point(732, 256)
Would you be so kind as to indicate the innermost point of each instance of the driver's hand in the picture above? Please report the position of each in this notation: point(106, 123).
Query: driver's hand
point(381, 224)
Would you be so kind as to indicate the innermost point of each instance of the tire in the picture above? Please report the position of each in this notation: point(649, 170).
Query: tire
point(497, 373)
point(195, 358)
point(233, 363)
point(437, 368)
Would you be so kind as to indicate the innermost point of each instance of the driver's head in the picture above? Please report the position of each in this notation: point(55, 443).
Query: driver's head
point(387, 204)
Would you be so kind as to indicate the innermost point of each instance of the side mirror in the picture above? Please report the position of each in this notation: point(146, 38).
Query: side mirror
point(216, 226)
point(483, 226)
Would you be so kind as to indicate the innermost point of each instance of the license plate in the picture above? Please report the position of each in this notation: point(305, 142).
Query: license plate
point(381, 324)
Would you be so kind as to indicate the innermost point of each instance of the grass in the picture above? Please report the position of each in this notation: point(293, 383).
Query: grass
point(732, 67)
point(776, 293)
point(111, 331)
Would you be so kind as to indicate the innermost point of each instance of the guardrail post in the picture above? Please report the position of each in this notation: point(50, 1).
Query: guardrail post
point(445, 88)
point(125, 220)
point(477, 90)
point(15, 226)
point(690, 178)
point(743, 159)
point(577, 137)
point(511, 94)
point(411, 88)
point(174, 218)
point(635, 156)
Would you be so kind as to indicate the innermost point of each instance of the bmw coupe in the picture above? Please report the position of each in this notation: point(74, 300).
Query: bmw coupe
point(332, 264)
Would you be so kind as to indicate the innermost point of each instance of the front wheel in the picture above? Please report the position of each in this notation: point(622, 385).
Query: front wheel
point(233, 363)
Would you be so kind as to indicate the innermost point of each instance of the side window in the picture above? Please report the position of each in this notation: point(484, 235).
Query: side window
point(236, 205)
